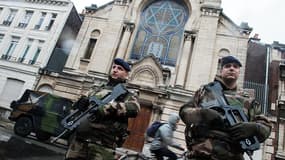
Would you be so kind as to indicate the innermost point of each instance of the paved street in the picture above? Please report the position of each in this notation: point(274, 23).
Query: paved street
point(13, 147)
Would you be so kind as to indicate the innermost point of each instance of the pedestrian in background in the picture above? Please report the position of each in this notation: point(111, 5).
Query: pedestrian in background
point(164, 138)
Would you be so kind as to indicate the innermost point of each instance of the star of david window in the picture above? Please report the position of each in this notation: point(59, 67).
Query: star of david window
point(160, 31)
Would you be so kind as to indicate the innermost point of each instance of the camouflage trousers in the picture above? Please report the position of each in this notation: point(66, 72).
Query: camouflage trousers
point(88, 151)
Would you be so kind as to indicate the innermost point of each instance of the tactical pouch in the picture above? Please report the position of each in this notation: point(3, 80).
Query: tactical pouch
point(132, 111)
point(214, 149)
point(121, 133)
point(199, 131)
point(121, 139)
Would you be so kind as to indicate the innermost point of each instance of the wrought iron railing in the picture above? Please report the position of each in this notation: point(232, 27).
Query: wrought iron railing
point(260, 93)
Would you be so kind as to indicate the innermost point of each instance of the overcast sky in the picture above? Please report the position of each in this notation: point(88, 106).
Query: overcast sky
point(266, 17)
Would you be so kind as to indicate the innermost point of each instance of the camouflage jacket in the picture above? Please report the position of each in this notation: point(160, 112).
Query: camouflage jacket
point(216, 144)
point(111, 129)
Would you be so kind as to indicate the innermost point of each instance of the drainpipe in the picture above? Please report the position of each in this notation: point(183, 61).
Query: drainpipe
point(268, 53)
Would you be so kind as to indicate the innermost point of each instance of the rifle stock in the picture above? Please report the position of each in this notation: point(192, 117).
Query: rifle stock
point(72, 121)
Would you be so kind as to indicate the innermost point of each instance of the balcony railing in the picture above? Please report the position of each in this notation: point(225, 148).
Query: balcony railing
point(32, 61)
point(22, 25)
point(21, 59)
point(7, 23)
point(37, 26)
point(5, 56)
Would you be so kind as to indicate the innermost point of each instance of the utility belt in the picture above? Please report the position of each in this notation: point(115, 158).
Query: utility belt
point(109, 141)
point(203, 131)
point(109, 135)
point(100, 142)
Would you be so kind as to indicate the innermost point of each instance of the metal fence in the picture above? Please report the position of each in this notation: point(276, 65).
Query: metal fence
point(260, 93)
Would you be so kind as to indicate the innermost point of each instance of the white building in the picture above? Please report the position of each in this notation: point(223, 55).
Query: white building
point(31, 31)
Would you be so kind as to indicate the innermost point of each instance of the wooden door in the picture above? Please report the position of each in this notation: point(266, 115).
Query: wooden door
point(137, 127)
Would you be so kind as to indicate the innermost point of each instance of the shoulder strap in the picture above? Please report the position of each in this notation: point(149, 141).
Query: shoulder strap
point(157, 133)
point(217, 90)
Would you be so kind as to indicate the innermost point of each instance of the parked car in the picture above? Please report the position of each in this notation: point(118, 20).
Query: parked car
point(41, 113)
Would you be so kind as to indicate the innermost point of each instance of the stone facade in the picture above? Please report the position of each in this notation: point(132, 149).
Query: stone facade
point(209, 35)
point(134, 30)
point(277, 51)
point(267, 74)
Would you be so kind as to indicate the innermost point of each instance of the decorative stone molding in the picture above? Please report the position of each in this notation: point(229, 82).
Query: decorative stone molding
point(157, 109)
point(146, 75)
point(245, 29)
point(84, 64)
point(211, 11)
point(147, 72)
point(278, 46)
point(210, 1)
point(91, 9)
point(50, 2)
point(122, 2)
point(127, 32)
point(129, 26)
point(189, 35)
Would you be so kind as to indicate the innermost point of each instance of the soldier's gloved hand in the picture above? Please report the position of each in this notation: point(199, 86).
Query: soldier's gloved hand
point(111, 109)
point(211, 117)
point(244, 130)
point(96, 114)
point(82, 103)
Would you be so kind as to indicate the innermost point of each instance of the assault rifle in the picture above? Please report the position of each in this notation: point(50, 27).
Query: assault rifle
point(231, 116)
point(72, 121)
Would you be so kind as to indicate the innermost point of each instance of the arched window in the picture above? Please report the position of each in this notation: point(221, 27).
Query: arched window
point(91, 44)
point(222, 53)
point(46, 88)
point(160, 31)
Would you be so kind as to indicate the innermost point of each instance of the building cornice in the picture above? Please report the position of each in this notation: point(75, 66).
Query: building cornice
point(278, 46)
point(50, 2)
point(21, 68)
point(208, 10)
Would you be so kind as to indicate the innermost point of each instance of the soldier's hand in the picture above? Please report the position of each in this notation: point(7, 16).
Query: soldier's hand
point(111, 109)
point(102, 111)
point(96, 114)
point(244, 130)
point(82, 104)
point(211, 117)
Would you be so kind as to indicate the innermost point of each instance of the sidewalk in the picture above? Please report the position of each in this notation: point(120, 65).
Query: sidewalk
point(7, 124)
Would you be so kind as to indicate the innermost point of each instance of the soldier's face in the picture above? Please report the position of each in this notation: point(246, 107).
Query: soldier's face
point(118, 72)
point(230, 71)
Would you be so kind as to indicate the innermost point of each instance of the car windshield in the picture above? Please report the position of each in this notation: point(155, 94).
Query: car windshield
point(31, 96)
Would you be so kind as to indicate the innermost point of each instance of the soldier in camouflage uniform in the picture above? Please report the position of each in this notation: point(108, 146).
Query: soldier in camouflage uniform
point(205, 133)
point(98, 136)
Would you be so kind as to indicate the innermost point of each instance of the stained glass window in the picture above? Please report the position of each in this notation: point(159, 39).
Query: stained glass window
point(160, 31)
